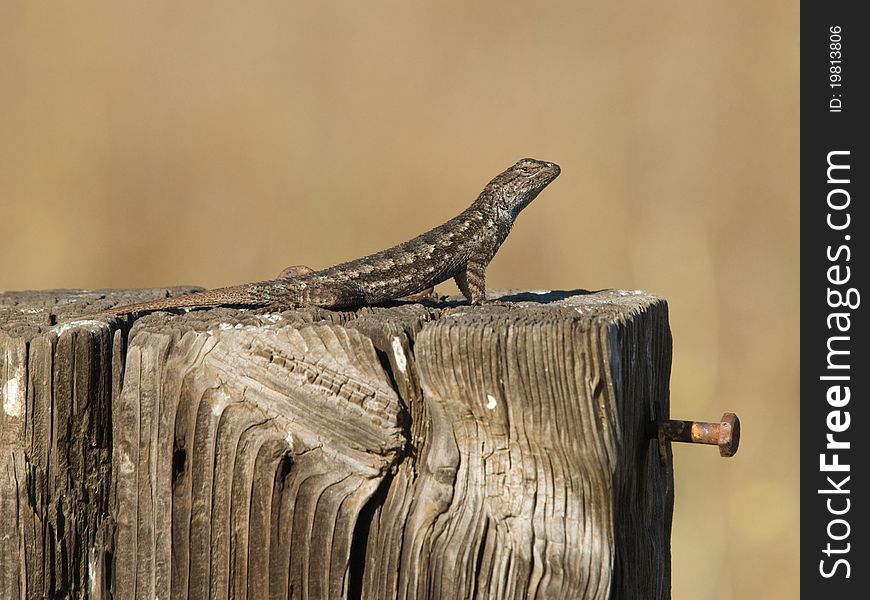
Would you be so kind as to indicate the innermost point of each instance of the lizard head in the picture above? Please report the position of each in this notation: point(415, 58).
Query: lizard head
point(515, 188)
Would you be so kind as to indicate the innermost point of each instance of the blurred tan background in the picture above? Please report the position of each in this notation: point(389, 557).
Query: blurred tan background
point(213, 143)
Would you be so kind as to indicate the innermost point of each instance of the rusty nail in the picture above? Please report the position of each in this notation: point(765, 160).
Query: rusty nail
point(725, 434)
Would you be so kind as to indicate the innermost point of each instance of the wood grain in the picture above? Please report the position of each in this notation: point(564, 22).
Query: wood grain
point(429, 450)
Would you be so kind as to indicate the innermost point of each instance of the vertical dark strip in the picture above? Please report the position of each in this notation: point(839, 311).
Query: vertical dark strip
point(835, 169)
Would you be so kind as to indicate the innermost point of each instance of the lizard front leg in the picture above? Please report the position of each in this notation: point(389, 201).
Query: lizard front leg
point(472, 281)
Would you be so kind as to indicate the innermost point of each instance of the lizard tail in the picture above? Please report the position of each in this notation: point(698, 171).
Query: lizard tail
point(279, 293)
point(231, 296)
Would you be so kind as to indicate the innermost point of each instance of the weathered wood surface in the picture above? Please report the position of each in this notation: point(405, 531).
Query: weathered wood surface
point(428, 450)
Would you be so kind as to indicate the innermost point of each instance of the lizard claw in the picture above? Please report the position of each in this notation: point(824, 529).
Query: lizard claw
point(427, 294)
point(504, 303)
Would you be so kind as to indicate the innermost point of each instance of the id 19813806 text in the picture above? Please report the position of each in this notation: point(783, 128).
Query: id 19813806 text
point(835, 68)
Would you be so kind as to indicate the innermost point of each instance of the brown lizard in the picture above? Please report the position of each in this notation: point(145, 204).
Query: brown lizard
point(461, 248)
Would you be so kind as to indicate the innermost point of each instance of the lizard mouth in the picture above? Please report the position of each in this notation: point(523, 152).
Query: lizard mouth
point(548, 174)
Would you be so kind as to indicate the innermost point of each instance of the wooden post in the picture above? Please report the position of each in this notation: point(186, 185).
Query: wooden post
point(413, 451)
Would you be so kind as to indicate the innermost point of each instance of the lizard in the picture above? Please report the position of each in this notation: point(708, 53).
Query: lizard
point(461, 248)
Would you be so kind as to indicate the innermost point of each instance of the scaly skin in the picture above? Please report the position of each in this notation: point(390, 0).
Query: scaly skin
point(460, 248)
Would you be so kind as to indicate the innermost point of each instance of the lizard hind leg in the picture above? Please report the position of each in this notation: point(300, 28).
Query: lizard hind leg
point(295, 271)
